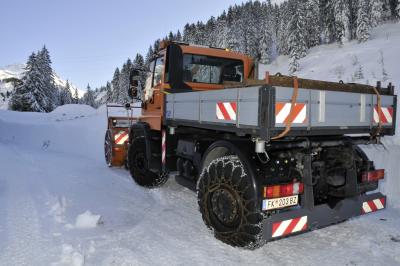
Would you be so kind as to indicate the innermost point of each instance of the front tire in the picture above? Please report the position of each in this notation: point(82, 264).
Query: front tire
point(228, 203)
point(139, 166)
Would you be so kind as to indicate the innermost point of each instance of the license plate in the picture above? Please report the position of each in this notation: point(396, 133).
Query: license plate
point(278, 203)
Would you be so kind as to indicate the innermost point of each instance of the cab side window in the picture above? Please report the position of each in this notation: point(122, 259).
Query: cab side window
point(158, 71)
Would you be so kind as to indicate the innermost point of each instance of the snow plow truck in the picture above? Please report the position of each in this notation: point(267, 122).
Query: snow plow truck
point(268, 158)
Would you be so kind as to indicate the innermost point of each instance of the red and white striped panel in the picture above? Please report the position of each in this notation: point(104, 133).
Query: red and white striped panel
point(386, 115)
point(163, 147)
point(226, 111)
point(288, 227)
point(121, 137)
point(282, 112)
point(373, 205)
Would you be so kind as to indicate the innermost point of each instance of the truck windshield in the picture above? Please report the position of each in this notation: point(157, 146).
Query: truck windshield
point(213, 70)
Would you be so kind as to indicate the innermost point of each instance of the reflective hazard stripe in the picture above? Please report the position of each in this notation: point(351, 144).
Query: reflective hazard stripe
point(282, 113)
point(386, 115)
point(163, 147)
point(290, 226)
point(121, 137)
point(373, 205)
point(226, 111)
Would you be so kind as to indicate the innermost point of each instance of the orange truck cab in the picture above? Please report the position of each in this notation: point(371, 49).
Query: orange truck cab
point(181, 67)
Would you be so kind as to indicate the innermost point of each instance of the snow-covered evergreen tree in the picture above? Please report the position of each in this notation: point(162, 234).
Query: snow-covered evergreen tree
point(398, 8)
point(109, 94)
point(139, 64)
point(222, 31)
point(376, 12)
point(363, 21)
point(178, 36)
point(283, 31)
point(342, 20)
point(88, 97)
point(44, 66)
point(123, 83)
point(65, 95)
point(266, 45)
point(149, 57)
point(115, 85)
point(33, 94)
point(76, 97)
point(312, 23)
point(297, 43)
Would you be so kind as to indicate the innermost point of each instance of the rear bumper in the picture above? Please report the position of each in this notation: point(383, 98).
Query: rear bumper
point(302, 220)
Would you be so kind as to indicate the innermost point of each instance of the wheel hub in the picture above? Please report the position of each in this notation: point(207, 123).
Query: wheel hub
point(140, 162)
point(224, 205)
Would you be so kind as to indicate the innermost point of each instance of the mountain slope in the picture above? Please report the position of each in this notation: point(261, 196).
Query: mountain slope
point(11, 73)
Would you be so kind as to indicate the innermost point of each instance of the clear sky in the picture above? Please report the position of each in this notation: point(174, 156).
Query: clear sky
point(87, 39)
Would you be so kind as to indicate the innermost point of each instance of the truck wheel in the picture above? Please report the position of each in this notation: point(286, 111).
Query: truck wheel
point(108, 147)
point(138, 166)
point(227, 202)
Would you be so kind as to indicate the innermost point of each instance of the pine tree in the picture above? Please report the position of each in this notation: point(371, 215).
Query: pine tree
point(221, 29)
point(171, 36)
point(65, 95)
point(44, 67)
point(342, 21)
point(123, 96)
point(283, 30)
point(89, 98)
point(363, 21)
point(76, 97)
point(156, 45)
point(178, 36)
point(328, 17)
point(398, 9)
point(376, 12)
point(312, 23)
point(149, 57)
point(109, 94)
point(266, 45)
point(115, 85)
point(31, 95)
point(297, 44)
point(139, 64)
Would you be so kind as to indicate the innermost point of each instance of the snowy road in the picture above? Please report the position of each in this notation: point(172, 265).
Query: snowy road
point(43, 188)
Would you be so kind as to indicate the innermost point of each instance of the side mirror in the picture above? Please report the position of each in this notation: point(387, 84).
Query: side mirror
point(134, 78)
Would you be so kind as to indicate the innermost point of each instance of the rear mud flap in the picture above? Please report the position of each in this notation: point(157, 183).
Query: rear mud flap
point(302, 220)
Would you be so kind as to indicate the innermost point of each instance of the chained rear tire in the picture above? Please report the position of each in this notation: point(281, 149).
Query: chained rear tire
point(228, 203)
point(138, 166)
point(108, 148)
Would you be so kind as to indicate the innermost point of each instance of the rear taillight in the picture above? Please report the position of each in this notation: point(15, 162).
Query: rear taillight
point(373, 175)
point(278, 191)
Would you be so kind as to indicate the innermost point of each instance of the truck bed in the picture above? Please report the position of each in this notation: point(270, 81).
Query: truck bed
point(263, 111)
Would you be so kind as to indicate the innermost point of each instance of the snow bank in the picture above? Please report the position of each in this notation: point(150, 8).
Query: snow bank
point(74, 109)
point(73, 129)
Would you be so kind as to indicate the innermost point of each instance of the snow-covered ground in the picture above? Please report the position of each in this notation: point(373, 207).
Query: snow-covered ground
point(61, 205)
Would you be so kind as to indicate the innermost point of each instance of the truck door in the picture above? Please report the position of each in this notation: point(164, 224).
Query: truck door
point(154, 82)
